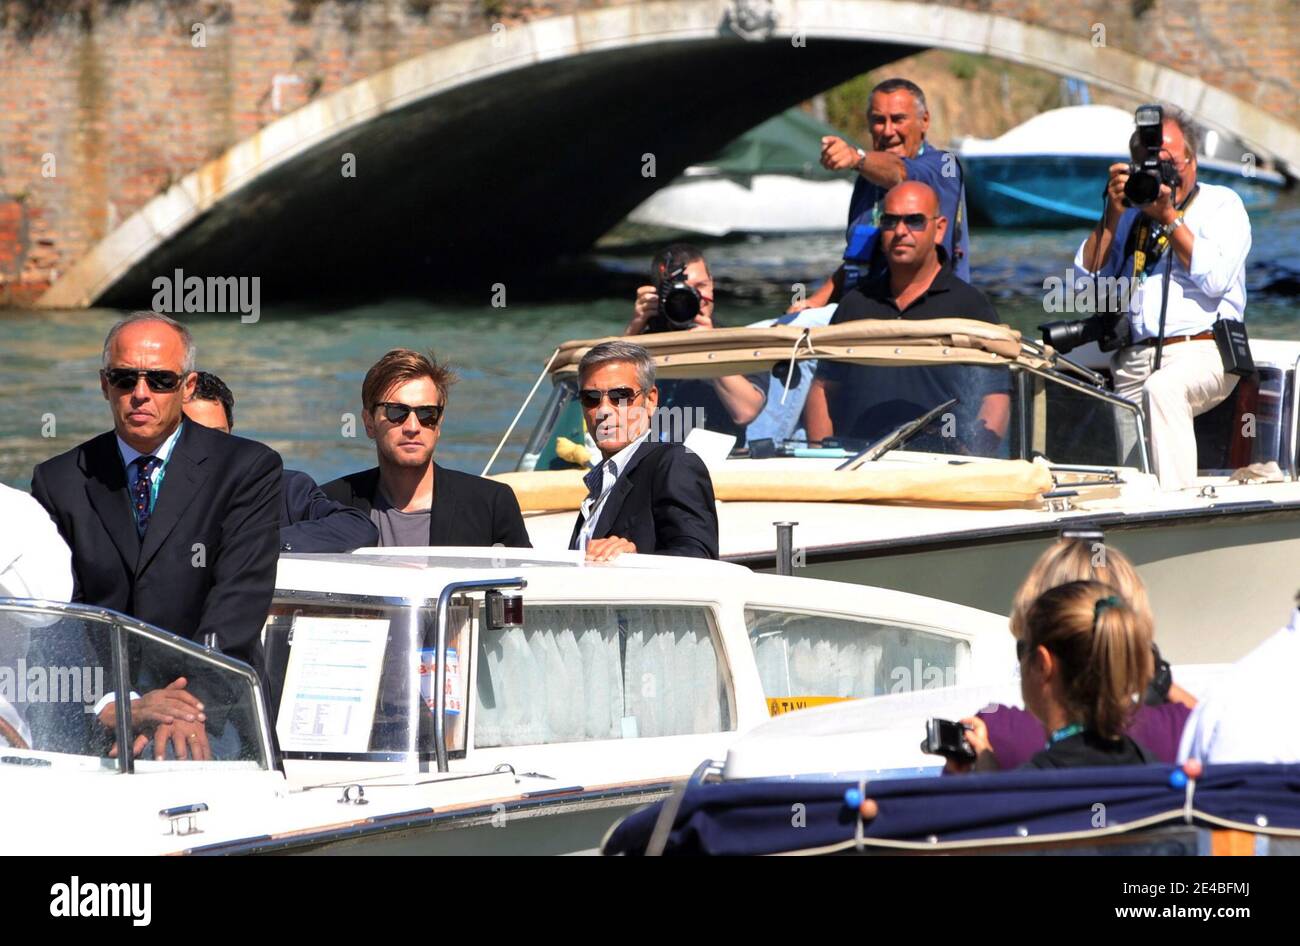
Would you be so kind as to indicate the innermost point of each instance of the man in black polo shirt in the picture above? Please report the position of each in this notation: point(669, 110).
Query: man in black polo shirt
point(862, 403)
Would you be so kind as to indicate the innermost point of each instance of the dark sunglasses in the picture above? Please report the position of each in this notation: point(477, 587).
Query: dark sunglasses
point(915, 222)
point(591, 397)
point(395, 413)
point(125, 379)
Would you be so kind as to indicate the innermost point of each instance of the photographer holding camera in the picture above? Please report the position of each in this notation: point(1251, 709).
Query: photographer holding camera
point(1182, 248)
point(682, 300)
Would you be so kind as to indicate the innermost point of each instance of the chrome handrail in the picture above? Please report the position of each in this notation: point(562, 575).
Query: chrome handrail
point(1293, 446)
point(440, 655)
point(126, 623)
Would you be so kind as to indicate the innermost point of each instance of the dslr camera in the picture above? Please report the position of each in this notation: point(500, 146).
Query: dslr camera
point(679, 302)
point(1148, 170)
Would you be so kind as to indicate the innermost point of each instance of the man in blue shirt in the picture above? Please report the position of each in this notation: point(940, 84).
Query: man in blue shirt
point(898, 119)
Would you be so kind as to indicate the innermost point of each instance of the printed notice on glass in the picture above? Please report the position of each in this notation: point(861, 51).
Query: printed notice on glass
point(331, 684)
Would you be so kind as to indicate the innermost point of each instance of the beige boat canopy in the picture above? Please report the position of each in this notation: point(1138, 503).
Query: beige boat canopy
point(864, 341)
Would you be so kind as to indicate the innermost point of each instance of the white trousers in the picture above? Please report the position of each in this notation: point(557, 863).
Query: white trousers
point(1190, 382)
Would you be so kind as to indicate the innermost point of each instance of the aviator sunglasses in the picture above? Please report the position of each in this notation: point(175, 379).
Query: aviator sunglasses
point(125, 379)
point(914, 222)
point(591, 397)
point(396, 413)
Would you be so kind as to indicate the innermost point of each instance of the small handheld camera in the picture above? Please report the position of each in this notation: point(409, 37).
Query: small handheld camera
point(948, 739)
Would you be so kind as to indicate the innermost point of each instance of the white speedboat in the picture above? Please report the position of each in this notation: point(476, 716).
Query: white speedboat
point(767, 181)
point(953, 517)
point(539, 728)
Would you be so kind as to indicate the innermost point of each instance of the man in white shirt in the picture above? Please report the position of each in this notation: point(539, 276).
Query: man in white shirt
point(35, 562)
point(1206, 229)
point(1250, 715)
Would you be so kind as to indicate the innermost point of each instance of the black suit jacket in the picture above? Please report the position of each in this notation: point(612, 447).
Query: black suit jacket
point(312, 522)
point(219, 492)
point(662, 503)
point(467, 509)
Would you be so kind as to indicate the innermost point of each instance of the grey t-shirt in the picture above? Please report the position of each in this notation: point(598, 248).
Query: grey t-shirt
point(397, 527)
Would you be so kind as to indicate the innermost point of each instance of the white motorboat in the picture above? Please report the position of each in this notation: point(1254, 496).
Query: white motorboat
point(767, 181)
point(537, 731)
point(947, 516)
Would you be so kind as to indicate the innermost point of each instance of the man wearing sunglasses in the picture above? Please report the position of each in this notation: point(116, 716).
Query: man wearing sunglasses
point(412, 500)
point(863, 403)
point(309, 520)
point(170, 522)
point(645, 496)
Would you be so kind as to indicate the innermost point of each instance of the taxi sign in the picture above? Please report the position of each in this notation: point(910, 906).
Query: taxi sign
point(778, 705)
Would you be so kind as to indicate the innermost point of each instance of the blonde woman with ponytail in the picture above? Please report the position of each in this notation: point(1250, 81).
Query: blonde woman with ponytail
point(1085, 661)
point(1158, 725)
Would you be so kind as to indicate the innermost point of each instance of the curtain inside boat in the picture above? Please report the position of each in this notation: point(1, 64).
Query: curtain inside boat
point(804, 654)
point(578, 673)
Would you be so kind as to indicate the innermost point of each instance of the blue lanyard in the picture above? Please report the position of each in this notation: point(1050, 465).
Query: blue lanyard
point(1065, 732)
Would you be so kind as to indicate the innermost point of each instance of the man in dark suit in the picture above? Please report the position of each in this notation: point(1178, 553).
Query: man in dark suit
point(645, 496)
point(412, 500)
point(168, 521)
point(309, 520)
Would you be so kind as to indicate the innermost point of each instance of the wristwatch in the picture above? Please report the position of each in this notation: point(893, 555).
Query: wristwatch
point(1178, 222)
point(862, 156)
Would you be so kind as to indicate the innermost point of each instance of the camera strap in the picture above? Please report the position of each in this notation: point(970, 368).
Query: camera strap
point(1140, 263)
point(1152, 241)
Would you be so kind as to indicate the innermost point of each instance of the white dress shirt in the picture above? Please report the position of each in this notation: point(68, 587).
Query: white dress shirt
point(592, 507)
point(1251, 714)
point(35, 562)
point(1213, 287)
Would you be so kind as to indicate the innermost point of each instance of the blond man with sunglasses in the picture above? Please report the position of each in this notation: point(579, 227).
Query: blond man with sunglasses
point(412, 500)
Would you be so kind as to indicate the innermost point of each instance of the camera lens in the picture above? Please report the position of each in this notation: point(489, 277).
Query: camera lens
point(1063, 336)
point(1142, 187)
point(681, 304)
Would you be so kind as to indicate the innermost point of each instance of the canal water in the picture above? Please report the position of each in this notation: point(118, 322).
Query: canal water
point(296, 372)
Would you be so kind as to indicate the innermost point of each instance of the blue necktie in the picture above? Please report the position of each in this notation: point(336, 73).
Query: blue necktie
point(143, 491)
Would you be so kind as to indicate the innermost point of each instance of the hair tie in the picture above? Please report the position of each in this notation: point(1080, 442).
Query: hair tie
point(1110, 601)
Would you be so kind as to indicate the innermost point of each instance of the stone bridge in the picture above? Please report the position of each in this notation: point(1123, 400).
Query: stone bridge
point(365, 145)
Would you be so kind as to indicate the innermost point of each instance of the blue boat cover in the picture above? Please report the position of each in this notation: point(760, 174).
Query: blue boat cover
point(773, 816)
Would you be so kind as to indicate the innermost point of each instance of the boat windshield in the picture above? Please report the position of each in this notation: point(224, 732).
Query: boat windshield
point(354, 679)
point(999, 411)
point(866, 404)
point(58, 678)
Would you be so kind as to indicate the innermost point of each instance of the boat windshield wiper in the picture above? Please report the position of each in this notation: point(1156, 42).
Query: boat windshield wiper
point(897, 437)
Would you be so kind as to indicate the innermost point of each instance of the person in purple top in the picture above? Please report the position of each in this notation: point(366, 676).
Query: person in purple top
point(1017, 736)
point(1014, 734)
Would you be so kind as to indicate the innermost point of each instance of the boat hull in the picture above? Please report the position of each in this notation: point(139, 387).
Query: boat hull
point(530, 827)
point(1065, 190)
point(1219, 582)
